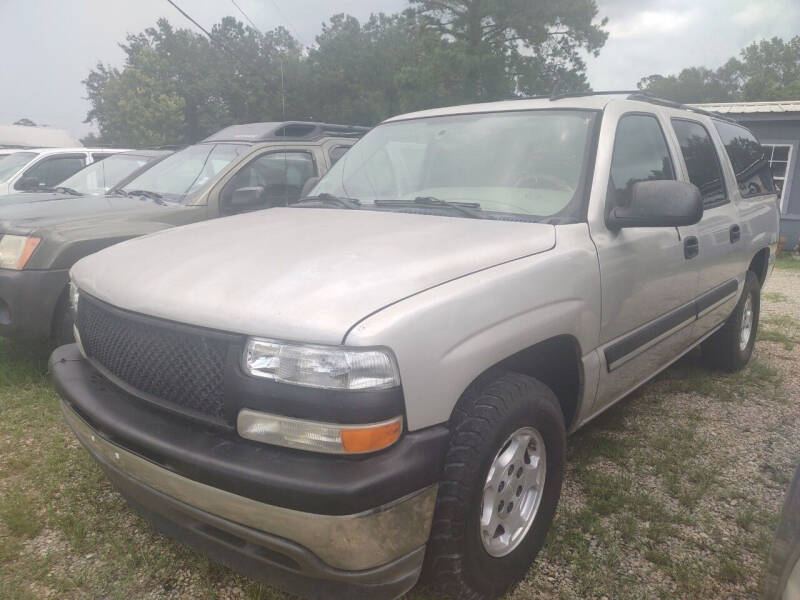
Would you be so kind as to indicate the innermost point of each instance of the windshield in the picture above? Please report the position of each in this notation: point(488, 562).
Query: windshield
point(10, 164)
point(526, 162)
point(101, 176)
point(185, 173)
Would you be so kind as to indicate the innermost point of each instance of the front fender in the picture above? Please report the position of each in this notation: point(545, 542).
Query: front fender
point(447, 336)
point(63, 247)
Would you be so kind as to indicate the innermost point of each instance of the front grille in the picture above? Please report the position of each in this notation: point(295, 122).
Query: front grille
point(163, 361)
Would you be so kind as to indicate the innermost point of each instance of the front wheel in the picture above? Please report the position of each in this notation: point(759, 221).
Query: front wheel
point(501, 484)
point(730, 348)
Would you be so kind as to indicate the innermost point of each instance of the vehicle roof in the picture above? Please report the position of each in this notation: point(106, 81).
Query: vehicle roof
point(285, 131)
point(153, 153)
point(72, 149)
point(587, 101)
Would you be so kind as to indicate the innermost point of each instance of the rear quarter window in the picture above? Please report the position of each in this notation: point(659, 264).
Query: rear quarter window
point(748, 159)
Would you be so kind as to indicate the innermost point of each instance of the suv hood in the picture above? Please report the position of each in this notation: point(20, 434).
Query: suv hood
point(32, 217)
point(305, 274)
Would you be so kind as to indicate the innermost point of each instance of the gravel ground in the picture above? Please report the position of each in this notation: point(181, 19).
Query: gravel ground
point(673, 493)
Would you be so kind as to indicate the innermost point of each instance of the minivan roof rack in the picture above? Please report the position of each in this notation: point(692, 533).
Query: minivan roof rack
point(285, 131)
point(643, 96)
point(558, 96)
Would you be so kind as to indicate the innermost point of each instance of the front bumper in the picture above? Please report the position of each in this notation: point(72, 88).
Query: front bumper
point(373, 552)
point(28, 300)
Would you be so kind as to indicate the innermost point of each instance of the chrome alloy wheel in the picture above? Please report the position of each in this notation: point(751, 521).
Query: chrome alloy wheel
point(747, 323)
point(513, 491)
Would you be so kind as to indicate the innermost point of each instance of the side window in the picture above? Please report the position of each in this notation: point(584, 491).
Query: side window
point(51, 171)
point(274, 179)
point(640, 154)
point(748, 158)
point(336, 153)
point(702, 160)
point(96, 156)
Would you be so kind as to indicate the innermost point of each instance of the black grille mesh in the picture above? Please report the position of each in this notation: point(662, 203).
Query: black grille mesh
point(182, 368)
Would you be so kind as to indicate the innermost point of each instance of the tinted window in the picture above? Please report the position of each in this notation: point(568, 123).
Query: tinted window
point(51, 171)
point(748, 158)
point(101, 155)
point(280, 175)
point(701, 159)
point(640, 154)
point(337, 152)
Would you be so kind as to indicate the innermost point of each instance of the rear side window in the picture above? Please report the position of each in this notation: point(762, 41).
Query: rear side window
point(748, 158)
point(702, 160)
point(51, 171)
point(337, 152)
point(640, 154)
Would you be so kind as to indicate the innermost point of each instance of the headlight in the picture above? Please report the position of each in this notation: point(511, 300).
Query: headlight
point(330, 367)
point(74, 296)
point(16, 250)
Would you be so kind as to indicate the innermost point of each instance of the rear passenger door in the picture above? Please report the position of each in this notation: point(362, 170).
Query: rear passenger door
point(719, 259)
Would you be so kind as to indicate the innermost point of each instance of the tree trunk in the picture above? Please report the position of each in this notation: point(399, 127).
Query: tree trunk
point(474, 20)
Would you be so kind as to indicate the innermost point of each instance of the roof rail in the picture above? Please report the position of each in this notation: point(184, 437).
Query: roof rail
point(643, 96)
point(285, 130)
point(555, 96)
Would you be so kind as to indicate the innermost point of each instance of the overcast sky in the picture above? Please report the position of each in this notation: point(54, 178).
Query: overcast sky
point(48, 46)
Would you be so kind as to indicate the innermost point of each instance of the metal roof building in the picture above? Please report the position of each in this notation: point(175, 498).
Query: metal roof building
point(23, 136)
point(777, 126)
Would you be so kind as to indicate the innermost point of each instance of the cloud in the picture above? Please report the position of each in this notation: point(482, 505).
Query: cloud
point(646, 24)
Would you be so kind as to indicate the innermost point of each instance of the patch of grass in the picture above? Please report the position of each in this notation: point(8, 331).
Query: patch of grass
point(729, 565)
point(784, 321)
point(687, 376)
point(787, 263)
point(774, 297)
point(18, 513)
point(768, 335)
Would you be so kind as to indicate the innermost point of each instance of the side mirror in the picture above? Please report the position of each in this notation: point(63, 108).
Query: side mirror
point(308, 186)
point(28, 183)
point(662, 203)
point(247, 197)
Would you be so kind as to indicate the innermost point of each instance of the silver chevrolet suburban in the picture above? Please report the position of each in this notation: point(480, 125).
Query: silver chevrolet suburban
point(377, 382)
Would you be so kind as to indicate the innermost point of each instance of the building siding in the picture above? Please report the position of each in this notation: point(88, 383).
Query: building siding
point(783, 129)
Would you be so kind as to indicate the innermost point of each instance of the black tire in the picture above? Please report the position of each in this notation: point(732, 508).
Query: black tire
point(722, 350)
point(62, 321)
point(456, 562)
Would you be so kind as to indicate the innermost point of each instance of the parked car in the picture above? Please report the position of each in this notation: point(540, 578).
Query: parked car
point(42, 168)
point(96, 179)
point(380, 378)
point(240, 169)
point(783, 568)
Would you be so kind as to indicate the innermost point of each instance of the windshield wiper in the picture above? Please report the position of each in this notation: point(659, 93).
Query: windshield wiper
point(67, 190)
point(329, 200)
point(469, 209)
point(145, 193)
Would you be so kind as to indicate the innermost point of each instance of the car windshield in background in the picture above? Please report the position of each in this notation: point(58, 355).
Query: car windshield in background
point(522, 162)
point(180, 176)
point(12, 163)
point(101, 176)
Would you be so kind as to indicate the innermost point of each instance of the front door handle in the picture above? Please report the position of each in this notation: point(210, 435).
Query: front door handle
point(691, 247)
point(736, 233)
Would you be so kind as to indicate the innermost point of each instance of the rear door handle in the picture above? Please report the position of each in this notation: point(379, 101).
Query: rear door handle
point(691, 247)
point(736, 233)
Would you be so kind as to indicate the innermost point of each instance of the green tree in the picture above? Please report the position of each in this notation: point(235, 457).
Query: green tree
point(766, 70)
point(771, 70)
point(364, 73)
point(513, 47)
